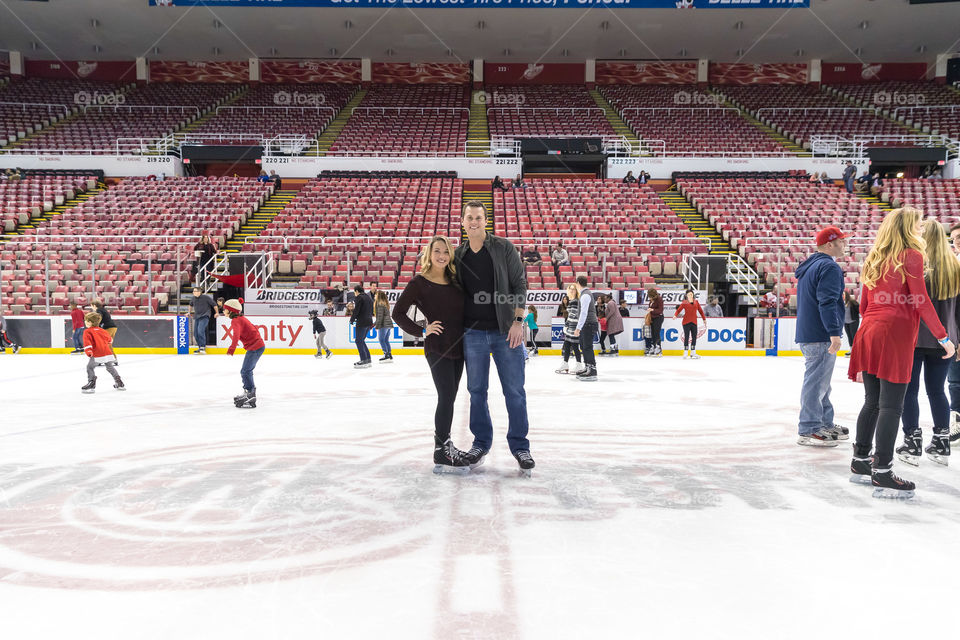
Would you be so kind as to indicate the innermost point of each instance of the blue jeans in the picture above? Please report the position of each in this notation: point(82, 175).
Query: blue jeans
point(360, 340)
point(849, 185)
point(478, 346)
point(816, 411)
point(78, 339)
point(953, 384)
point(250, 360)
point(934, 373)
point(200, 331)
point(384, 336)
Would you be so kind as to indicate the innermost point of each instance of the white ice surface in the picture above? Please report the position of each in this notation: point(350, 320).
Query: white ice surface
point(669, 501)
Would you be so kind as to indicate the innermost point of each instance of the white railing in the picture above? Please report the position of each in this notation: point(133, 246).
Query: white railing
point(817, 110)
point(259, 273)
point(139, 146)
point(289, 145)
point(830, 145)
point(651, 148)
point(392, 240)
point(32, 106)
point(411, 110)
point(265, 109)
point(927, 107)
point(217, 265)
point(703, 109)
point(144, 107)
point(738, 272)
point(555, 110)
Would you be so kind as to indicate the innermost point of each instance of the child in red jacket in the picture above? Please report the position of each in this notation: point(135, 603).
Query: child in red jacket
point(97, 344)
point(243, 331)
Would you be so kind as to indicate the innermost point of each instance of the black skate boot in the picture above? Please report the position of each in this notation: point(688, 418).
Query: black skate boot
point(886, 484)
point(90, 387)
point(911, 449)
point(954, 426)
point(118, 385)
point(329, 353)
point(475, 456)
point(939, 449)
point(448, 459)
point(589, 374)
point(317, 354)
point(525, 460)
point(248, 400)
point(861, 470)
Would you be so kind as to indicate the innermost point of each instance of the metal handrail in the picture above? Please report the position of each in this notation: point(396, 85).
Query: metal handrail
point(408, 109)
point(66, 109)
point(264, 109)
point(873, 110)
point(685, 109)
point(151, 107)
point(556, 110)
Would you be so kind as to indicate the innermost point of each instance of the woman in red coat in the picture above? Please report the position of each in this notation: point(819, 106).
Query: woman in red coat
point(893, 302)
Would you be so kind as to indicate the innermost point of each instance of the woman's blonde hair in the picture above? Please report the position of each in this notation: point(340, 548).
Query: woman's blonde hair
point(426, 260)
point(944, 269)
point(897, 233)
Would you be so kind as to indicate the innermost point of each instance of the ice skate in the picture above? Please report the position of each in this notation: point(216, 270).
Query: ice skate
point(657, 352)
point(954, 426)
point(840, 431)
point(615, 353)
point(686, 355)
point(448, 459)
point(525, 460)
point(886, 484)
point(694, 355)
point(16, 348)
point(76, 352)
point(329, 353)
point(246, 400)
point(90, 387)
point(362, 364)
point(318, 354)
point(386, 360)
point(564, 368)
point(911, 449)
point(475, 456)
point(588, 374)
point(939, 449)
point(819, 438)
point(119, 386)
point(861, 470)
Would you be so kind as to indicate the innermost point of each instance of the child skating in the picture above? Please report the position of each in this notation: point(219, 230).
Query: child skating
point(243, 331)
point(98, 345)
point(319, 332)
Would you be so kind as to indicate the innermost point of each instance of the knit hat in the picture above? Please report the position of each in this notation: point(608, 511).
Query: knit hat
point(829, 234)
point(233, 305)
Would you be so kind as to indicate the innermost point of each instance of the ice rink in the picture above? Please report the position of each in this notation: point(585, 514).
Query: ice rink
point(669, 501)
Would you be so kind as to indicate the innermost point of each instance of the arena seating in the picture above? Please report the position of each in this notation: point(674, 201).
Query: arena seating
point(688, 120)
point(112, 237)
point(409, 120)
point(382, 222)
point(545, 110)
point(799, 112)
point(21, 200)
point(772, 223)
point(625, 228)
point(940, 198)
point(933, 108)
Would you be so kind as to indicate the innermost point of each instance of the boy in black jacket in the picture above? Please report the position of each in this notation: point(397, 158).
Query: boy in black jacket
point(319, 331)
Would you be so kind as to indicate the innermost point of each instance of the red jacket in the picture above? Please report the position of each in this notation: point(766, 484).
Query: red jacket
point(96, 343)
point(690, 310)
point(76, 316)
point(243, 330)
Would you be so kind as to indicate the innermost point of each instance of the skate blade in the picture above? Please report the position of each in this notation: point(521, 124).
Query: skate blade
point(87, 392)
point(587, 378)
point(443, 469)
point(944, 460)
point(856, 478)
point(525, 473)
point(892, 494)
point(907, 459)
point(120, 388)
point(478, 463)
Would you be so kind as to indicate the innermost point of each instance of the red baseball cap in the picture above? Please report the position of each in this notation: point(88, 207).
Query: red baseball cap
point(829, 234)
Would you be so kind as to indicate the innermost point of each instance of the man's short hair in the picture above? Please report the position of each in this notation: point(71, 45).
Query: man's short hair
point(582, 281)
point(473, 203)
point(195, 289)
point(358, 288)
point(954, 227)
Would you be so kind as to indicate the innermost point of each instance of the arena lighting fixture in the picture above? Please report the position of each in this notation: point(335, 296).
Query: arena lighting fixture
point(605, 25)
point(740, 52)
point(348, 25)
point(858, 51)
point(333, 51)
point(565, 52)
point(899, 174)
point(922, 48)
point(682, 53)
point(97, 48)
point(274, 51)
point(738, 25)
point(94, 23)
point(622, 53)
point(864, 25)
point(799, 53)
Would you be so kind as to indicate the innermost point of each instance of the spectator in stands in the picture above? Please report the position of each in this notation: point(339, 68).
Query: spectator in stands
point(277, 182)
point(849, 172)
point(862, 184)
point(362, 318)
point(624, 311)
point(518, 182)
point(876, 184)
point(562, 307)
point(629, 178)
point(204, 250)
point(936, 175)
point(498, 184)
point(76, 320)
point(263, 177)
point(655, 311)
point(643, 178)
point(851, 317)
point(819, 326)
point(560, 257)
point(713, 309)
point(220, 302)
point(492, 277)
point(531, 256)
point(329, 310)
point(818, 178)
point(348, 310)
point(203, 308)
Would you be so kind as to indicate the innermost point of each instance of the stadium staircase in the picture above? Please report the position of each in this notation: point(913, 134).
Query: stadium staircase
point(204, 119)
point(875, 201)
point(478, 190)
point(787, 143)
point(696, 223)
point(79, 199)
point(620, 127)
point(327, 137)
point(257, 222)
point(478, 130)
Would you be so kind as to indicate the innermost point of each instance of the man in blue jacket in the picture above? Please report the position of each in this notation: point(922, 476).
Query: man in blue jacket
point(819, 327)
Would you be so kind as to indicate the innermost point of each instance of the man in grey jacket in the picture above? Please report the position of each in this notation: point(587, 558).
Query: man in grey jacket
point(495, 285)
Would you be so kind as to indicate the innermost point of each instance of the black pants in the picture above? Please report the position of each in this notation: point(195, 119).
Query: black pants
point(360, 341)
point(586, 343)
point(656, 324)
point(446, 374)
point(880, 416)
point(690, 335)
point(851, 329)
point(571, 347)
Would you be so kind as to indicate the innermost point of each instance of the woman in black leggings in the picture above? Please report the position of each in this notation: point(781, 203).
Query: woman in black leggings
point(689, 308)
point(435, 293)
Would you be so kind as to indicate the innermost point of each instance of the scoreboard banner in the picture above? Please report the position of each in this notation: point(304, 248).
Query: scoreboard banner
point(484, 4)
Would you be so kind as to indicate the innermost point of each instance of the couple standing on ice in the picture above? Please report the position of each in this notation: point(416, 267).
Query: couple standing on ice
point(474, 299)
